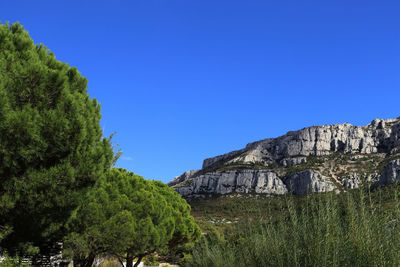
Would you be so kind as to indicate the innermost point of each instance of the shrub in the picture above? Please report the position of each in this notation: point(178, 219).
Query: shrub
point(347, 230)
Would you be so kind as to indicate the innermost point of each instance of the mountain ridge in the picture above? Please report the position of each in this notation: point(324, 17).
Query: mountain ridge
point(289, 155)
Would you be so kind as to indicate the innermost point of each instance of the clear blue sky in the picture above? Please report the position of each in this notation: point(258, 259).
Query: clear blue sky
point(182, 80)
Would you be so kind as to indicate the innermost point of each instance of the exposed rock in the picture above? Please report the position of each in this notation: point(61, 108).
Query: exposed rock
point(373, 178)
point(351, 181)
point(183, 177)
point(293, 161)
point(308, 181)
point(243, 181)
point(257, 181)
point(391, 173)
point(356, 157)
point(315, 157)
point(378, 136)
point(355, 180)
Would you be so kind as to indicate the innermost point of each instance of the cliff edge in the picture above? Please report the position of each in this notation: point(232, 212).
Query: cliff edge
point(311, 160)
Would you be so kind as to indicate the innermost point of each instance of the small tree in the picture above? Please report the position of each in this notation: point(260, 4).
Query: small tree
point(128, 217)
point(51, 145)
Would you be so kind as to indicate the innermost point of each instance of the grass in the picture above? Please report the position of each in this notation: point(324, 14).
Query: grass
point(358, 228)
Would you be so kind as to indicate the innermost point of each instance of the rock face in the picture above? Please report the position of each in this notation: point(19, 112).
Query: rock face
point(355, 180)
point(186, 175)
point(351, 181)
point(308, 181)
point(243, 181)
point(255, 181)
point(294, 147)
point(391, 173)
point(312, 160)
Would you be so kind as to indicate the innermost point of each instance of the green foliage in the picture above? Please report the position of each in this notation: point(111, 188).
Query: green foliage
point(111, 264)
point(151, 260)
point(351, 229)
point(51, 144)
point(128, 216)
point(12, 261)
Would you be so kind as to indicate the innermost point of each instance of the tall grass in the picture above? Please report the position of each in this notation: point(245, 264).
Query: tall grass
point(352, 229)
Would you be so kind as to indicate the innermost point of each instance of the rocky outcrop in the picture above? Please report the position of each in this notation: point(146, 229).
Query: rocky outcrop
point(255, 181)
point(315, 159)
point(355, 180)
point(390, 174)
point(351, 181)
point(308, 181)
point(293, 147)
point(184, 176)
point(242, 181)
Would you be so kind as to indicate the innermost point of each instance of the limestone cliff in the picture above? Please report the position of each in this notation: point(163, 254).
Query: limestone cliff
point(314, 159)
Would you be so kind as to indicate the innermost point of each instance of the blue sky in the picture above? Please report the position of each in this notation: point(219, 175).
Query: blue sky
point(180, 81)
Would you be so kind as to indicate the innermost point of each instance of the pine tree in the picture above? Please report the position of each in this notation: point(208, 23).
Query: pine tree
point(51, 145)
point(129, 217)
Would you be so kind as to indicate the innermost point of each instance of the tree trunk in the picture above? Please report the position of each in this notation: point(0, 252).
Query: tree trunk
point(138, 261)
point(129, 261)
point(90, 260)
point(78, 262)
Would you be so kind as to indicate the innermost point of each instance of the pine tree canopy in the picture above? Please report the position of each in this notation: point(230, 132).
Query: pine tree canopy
point(52, 148)
point(128, 216)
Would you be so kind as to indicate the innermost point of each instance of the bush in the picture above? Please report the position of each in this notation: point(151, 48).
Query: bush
point(151, 260)
point(347, 230)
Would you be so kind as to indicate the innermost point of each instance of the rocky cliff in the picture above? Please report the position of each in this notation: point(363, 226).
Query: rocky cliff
point(315, 159)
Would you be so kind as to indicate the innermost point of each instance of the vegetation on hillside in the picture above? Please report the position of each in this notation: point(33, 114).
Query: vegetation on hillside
point(333, 165)
point(357, 228)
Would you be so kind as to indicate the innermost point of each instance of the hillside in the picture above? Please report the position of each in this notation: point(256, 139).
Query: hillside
point(356, 228)
point(311, 160)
